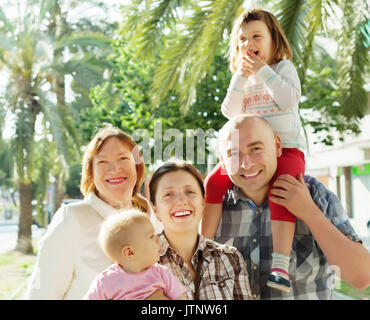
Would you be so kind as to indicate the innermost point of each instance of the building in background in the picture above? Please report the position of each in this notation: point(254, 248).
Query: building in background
point(345, 169)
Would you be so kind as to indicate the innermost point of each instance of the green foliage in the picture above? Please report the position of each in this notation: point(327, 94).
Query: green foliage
point(187, 54)
point(353, 292)
point(125, 100)
point(321, 107)
point(6, 164)
point(73, 182)
point(39, 47)
point(353, 59)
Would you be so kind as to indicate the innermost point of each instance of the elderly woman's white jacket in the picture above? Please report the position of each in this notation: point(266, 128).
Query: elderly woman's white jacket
point(69, 255)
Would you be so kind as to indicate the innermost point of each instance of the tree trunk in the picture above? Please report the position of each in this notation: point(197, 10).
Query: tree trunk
point(24, 243)
point(58, 193)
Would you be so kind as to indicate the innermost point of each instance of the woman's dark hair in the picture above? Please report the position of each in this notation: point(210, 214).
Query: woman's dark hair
point(173, 165)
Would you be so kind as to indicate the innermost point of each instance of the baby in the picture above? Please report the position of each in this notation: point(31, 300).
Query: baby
point(128, 239)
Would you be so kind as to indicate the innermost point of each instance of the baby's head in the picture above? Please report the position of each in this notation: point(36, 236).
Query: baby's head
point(128, 239)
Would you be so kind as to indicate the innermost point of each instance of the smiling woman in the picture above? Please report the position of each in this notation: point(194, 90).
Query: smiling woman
point(114, 173)
point(210, 271)
point(70, 256)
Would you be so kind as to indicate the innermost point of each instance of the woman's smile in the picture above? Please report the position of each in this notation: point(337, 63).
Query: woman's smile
point(182, 213)
point(116, 180)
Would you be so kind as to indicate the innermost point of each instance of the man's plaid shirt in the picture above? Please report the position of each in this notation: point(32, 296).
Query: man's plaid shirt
point(223, 274)
point(248, 228)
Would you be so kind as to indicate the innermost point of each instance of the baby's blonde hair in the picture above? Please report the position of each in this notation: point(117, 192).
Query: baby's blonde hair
point(281, 48)
point(118, 231)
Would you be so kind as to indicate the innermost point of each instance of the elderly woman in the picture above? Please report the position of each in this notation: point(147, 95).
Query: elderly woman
point(211, 271)
point(69, 255)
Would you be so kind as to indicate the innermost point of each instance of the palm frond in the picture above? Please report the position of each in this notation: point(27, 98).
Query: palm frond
point(353, 59)
point(133, 14)
point(176, 57)
point(220, 18)
point(58, 128)
point(84, 39)
point(315, 21)
point(365, 30)
point(6, 43)
point(45, 6)
point(292, 18)
point(9, 26)
point(86, 72)
point(188, 59)
point(151, 32)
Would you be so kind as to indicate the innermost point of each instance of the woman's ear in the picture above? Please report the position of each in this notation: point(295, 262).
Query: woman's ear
point(138, 158)
point(128, 252)
point(155, 211)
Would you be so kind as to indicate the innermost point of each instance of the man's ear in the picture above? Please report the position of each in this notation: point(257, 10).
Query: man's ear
point(128, 252)
point(279, 148)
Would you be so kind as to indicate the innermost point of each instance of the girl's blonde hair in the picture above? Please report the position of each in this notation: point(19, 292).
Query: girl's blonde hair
point(281, 49)
point(87, 176)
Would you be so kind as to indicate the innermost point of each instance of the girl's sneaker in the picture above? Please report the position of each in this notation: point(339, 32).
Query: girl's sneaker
point(278, 282)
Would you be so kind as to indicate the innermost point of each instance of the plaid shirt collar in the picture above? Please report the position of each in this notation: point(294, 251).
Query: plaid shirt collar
point(201, 246)
point(235, 194)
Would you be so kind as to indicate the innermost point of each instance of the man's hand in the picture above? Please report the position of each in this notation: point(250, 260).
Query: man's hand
point(294, 195)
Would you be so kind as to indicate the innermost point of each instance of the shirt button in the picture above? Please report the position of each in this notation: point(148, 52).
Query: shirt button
point(221, 284)
point(254, 296)
point(254, 240)
point(254, 267)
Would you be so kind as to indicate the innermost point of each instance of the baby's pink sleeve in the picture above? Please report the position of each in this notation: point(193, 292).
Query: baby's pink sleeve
point(174, 288)
point(96, 291)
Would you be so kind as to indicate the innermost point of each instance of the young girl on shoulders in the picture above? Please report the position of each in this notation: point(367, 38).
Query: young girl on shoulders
point(264, 83)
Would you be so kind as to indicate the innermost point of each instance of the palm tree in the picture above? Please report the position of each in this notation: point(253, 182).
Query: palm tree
point(33, 58)
point(186, 58)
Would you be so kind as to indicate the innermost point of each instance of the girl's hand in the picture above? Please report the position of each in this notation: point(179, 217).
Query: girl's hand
point(253, 62)
point(294, 195)
point(244, 69)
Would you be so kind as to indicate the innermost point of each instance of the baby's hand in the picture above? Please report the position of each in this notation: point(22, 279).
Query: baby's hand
point(157, 295)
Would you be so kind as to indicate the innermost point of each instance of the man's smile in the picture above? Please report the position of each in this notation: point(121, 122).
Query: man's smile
point(251, 175)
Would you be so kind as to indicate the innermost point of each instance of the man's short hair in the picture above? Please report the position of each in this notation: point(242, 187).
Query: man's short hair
point(234, 123)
